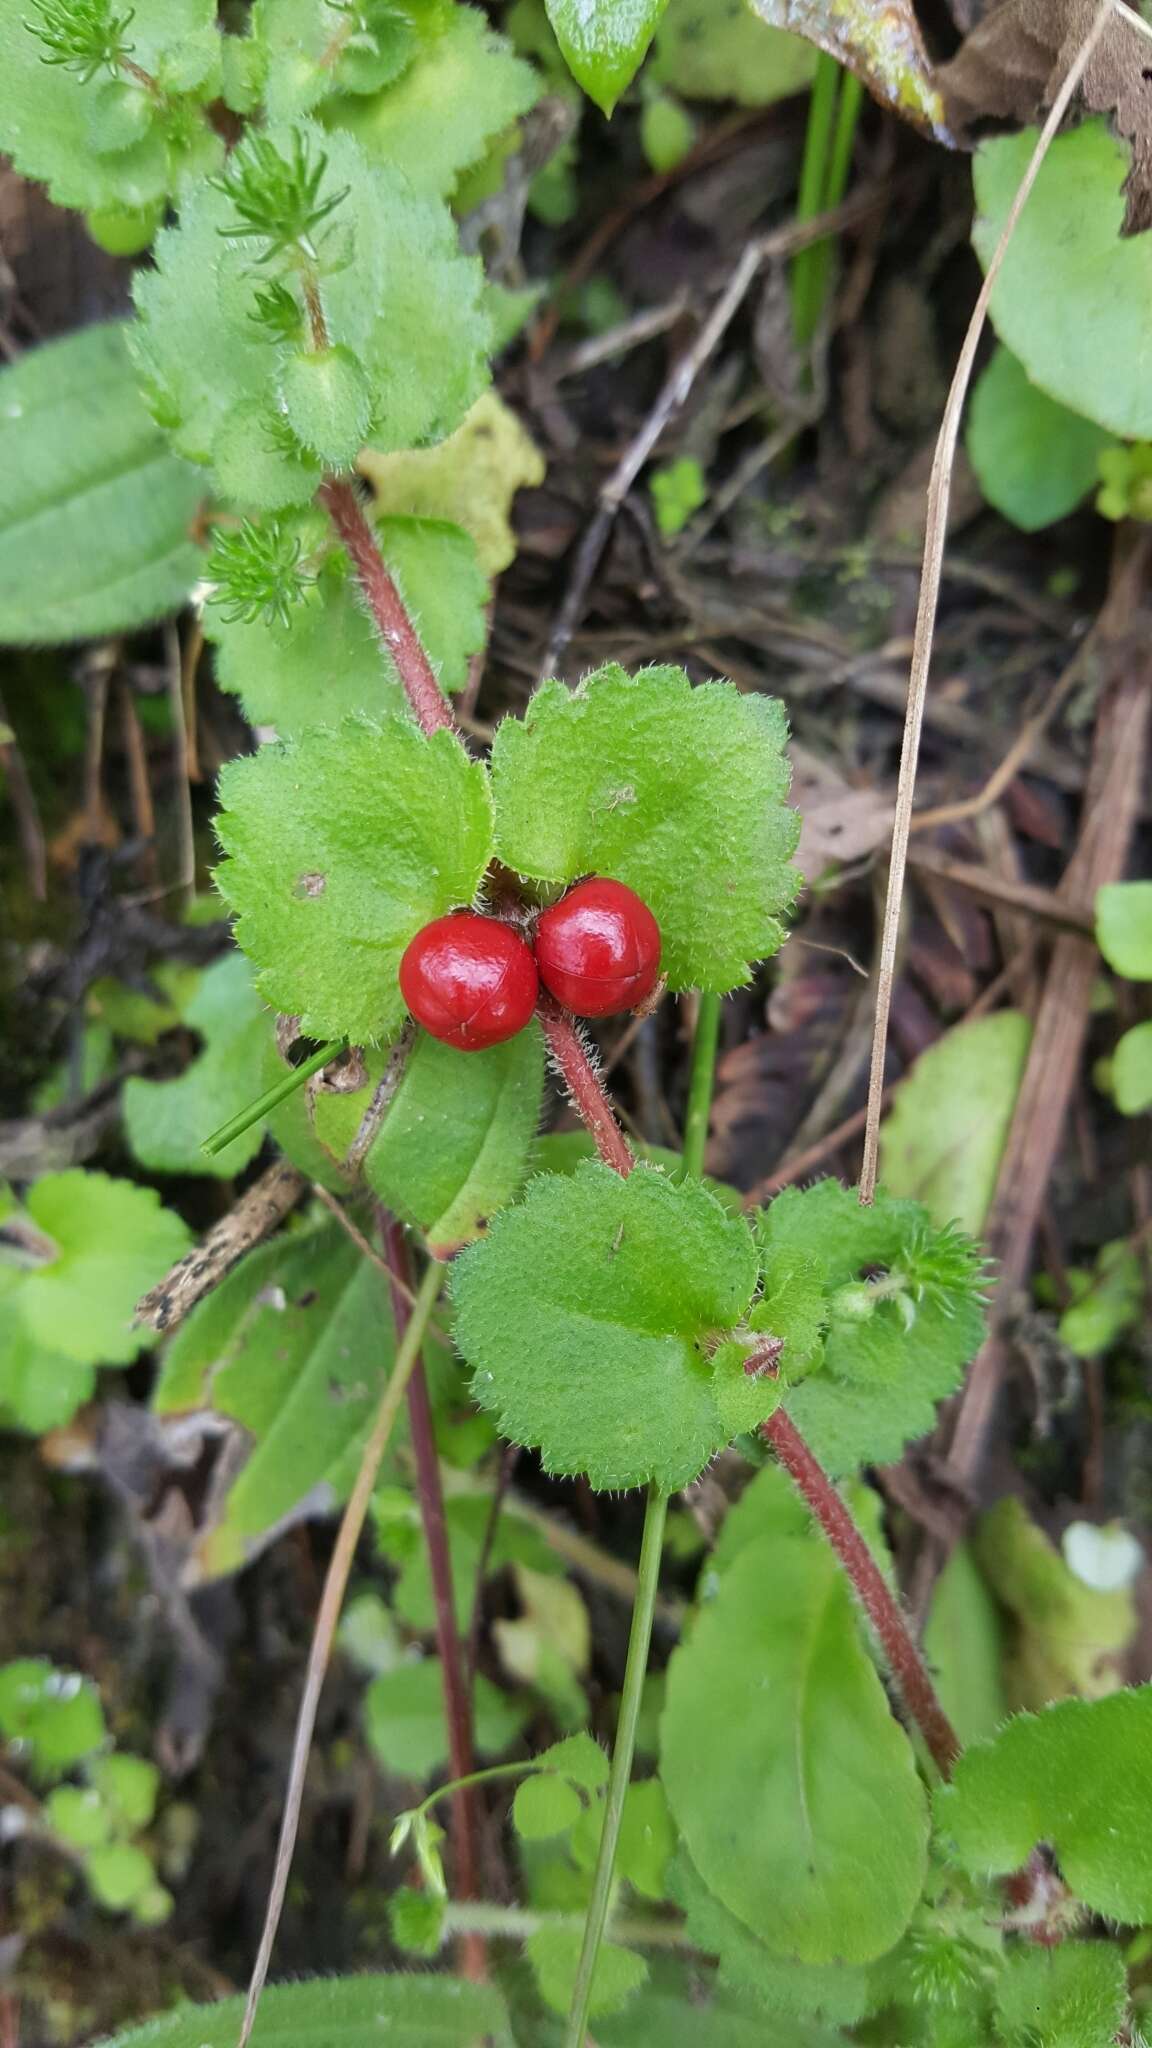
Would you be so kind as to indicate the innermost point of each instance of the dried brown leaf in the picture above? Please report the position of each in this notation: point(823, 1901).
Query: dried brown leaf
point(881, 43)
point(1010, 68)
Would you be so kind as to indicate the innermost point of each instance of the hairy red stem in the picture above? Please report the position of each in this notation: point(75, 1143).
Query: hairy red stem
point(907, 1666)
point(457, 1695)
point(585, 1088)
point(429, 705)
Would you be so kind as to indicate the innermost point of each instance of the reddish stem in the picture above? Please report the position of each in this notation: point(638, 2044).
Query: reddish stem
point(429, 705)
point(585, 1088)
point(457, 1696)
point(904, 1660)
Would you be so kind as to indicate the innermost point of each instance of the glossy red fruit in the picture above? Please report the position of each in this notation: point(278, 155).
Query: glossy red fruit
point(598, 949)
point(469, 980)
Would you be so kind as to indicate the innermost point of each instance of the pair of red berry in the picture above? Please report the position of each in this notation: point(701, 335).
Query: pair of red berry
point(473, 981)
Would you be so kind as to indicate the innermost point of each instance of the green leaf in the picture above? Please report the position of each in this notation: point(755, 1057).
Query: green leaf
point(167, 1121)
point(468, 1517)
point(667, 133)
point(128, 1786)
point(944, 1136)
point(1068, 1636)
point(118, 1873)
point(647, 1838)
point(1074, 1996)
point(1035, 459)
point(295, 1346)
point(1132, 1070)
point(721, 50)
point(877, 1383)
point(470, 479)
point(50, 118)
point(404, 1720)
point(405, 2010)
point(78, 1815)
point(675, 2019)
point(604, 43)
point(204, 348)
point(1124, 928)
point(1108, 1302)
point(562, 1152)
point(585, 1314)
point(326, 660)
point(96, 515)
point(301, 58)
point(549, 1646)
point(1077, 1776)
point(331, 883)
point(832, 1991)
point(580, 1758)
point(678, 792)
point(453, 1148)
point(464, 67)
point(554, 1953)
point(964, 1646)
point(327, 403)
point(55, 1716)
point(40, 1388)
point(678, 490)
point(807, 1820)
point(99, 1245)
point(1071, 299)
point(545, 1805)
point(885, 51)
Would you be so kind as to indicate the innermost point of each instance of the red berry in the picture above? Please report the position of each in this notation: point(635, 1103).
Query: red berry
point(598, 949)
point(469, 980)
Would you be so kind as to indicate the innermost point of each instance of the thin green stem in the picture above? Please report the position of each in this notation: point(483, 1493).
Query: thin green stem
point(623, 1749)
point(518, 1922)
point(522, 1769)
point(820, 257)
point(271, 1098)
point(700, 1084)
point(810, 198)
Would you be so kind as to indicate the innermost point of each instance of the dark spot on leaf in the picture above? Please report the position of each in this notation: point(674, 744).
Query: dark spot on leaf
point(306, 1300)
point(309, 885)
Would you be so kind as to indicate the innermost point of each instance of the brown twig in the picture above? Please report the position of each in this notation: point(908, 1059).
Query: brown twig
point(185, 833)
point(24, 804)
point(139, 786)
point(429, 705)
point(453, 1671)
point(255, 1217)
point(935, 538)
point(990, 887)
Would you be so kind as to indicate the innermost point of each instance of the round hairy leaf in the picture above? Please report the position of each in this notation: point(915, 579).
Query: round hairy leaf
point(678, 792)
point(326, 660)
point(545, 1805)
point(1074, 1996)
point(95, 511)
point(587, 1313)
point(886, 1360)
point(794, 1788)
point(166, 1122)
point(1072, 298)
point(1077, 1776)
point(388, 253)
point(98, 1245)
point(342, 846)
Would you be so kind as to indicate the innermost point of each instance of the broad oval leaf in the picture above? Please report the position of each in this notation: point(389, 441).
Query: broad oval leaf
point(679, 792)
point(717, 50)
point(1034, 458)
point(343, 845)
point(1077, 1776)
point(1124, 928)
point(603, 42)
point(96, 513)
point(97, 1245)
point(801, 1809)
point(454, 1146)
point(294, 1346)
point(1072, 298)
point(401, 2011)
point(942, 1141)
point(586, 1315)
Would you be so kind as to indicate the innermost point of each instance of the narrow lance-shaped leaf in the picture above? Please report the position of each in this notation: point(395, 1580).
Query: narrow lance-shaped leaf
point(587, 1316)
point(343, 845)
point(678, 792)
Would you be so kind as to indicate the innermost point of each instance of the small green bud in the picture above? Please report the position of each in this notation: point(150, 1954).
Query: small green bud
point(124, 230)
point(257, 461)
point(120, 113)
point(417, 1921)
point(328, 403)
